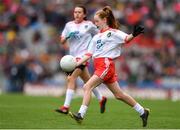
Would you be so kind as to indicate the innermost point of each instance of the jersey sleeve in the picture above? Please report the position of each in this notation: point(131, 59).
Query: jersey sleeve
point(120, 36)
point(65, 31)
point(93, 29)
point(91, 47)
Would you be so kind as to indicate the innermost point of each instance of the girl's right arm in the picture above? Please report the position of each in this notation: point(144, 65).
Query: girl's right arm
point(85, 58)
point(64, 36)
point(63, 40)
point(89, 53)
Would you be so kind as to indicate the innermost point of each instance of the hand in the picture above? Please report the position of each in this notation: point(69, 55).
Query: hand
point(138, 30)
point(71, 34)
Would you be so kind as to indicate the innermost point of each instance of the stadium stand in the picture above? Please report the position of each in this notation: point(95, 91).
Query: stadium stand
point(30, 50)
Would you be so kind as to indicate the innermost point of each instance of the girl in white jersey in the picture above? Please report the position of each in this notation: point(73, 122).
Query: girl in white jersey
point(104, 47)
point(79, 34)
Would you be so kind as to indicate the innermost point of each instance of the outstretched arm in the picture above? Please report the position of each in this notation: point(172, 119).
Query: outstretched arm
point(129, 38)
point(136, 31)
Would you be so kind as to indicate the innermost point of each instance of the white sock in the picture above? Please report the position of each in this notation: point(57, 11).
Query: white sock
point(69, 96)
point(139, 108)
point(97, 93)
point(83, 110)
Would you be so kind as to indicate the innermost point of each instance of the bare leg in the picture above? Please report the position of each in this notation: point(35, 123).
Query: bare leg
point(85, 77)
point(88, 87)
point(120, 95)
point(72, 79)
point(71, 85)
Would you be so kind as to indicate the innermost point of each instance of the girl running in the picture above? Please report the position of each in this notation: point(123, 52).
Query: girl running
point(78, 33)
point(104, 47)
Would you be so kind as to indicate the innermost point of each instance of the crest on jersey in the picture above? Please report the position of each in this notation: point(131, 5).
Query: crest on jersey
point(109, 34)
point(86, 26)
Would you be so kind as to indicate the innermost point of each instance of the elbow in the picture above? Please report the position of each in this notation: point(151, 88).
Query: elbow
point(62, 40)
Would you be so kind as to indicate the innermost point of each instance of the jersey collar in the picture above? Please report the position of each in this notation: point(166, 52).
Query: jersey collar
point(78, 23)
point(104, 30)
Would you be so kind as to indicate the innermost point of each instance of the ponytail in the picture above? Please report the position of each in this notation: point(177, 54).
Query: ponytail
point(107, 13)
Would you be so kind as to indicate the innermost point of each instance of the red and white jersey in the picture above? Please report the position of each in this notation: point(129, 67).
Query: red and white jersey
point(84, 32)
point(107, 44)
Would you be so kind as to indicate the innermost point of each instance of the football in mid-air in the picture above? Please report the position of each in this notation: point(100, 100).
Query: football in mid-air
point(68, 63)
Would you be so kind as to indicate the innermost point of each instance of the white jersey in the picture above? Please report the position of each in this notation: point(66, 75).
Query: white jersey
point(107, 44)
point(84, 32)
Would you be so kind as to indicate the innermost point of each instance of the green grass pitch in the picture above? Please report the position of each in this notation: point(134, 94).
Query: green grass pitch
point(27, 112)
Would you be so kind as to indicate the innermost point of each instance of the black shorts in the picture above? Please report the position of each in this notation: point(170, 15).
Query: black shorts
point(79, 67)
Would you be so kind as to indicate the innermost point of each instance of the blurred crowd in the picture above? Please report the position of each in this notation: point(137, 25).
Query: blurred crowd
point(30, 49)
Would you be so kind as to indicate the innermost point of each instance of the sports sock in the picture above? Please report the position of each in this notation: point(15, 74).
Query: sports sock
point(69, 96)
point(83, 110)
point(139, 108)
point(97, 93)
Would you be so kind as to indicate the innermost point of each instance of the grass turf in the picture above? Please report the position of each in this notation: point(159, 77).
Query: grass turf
point(19, 111)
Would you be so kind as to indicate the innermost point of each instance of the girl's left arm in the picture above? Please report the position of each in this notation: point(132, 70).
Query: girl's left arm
point(136, 31)
point(129, 38)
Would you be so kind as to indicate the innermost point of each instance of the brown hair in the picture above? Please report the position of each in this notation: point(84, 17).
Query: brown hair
point(84, 10)
point(107, 13)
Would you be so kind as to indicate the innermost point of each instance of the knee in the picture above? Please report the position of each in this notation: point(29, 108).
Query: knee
point(86, 87)
point(71, 79)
